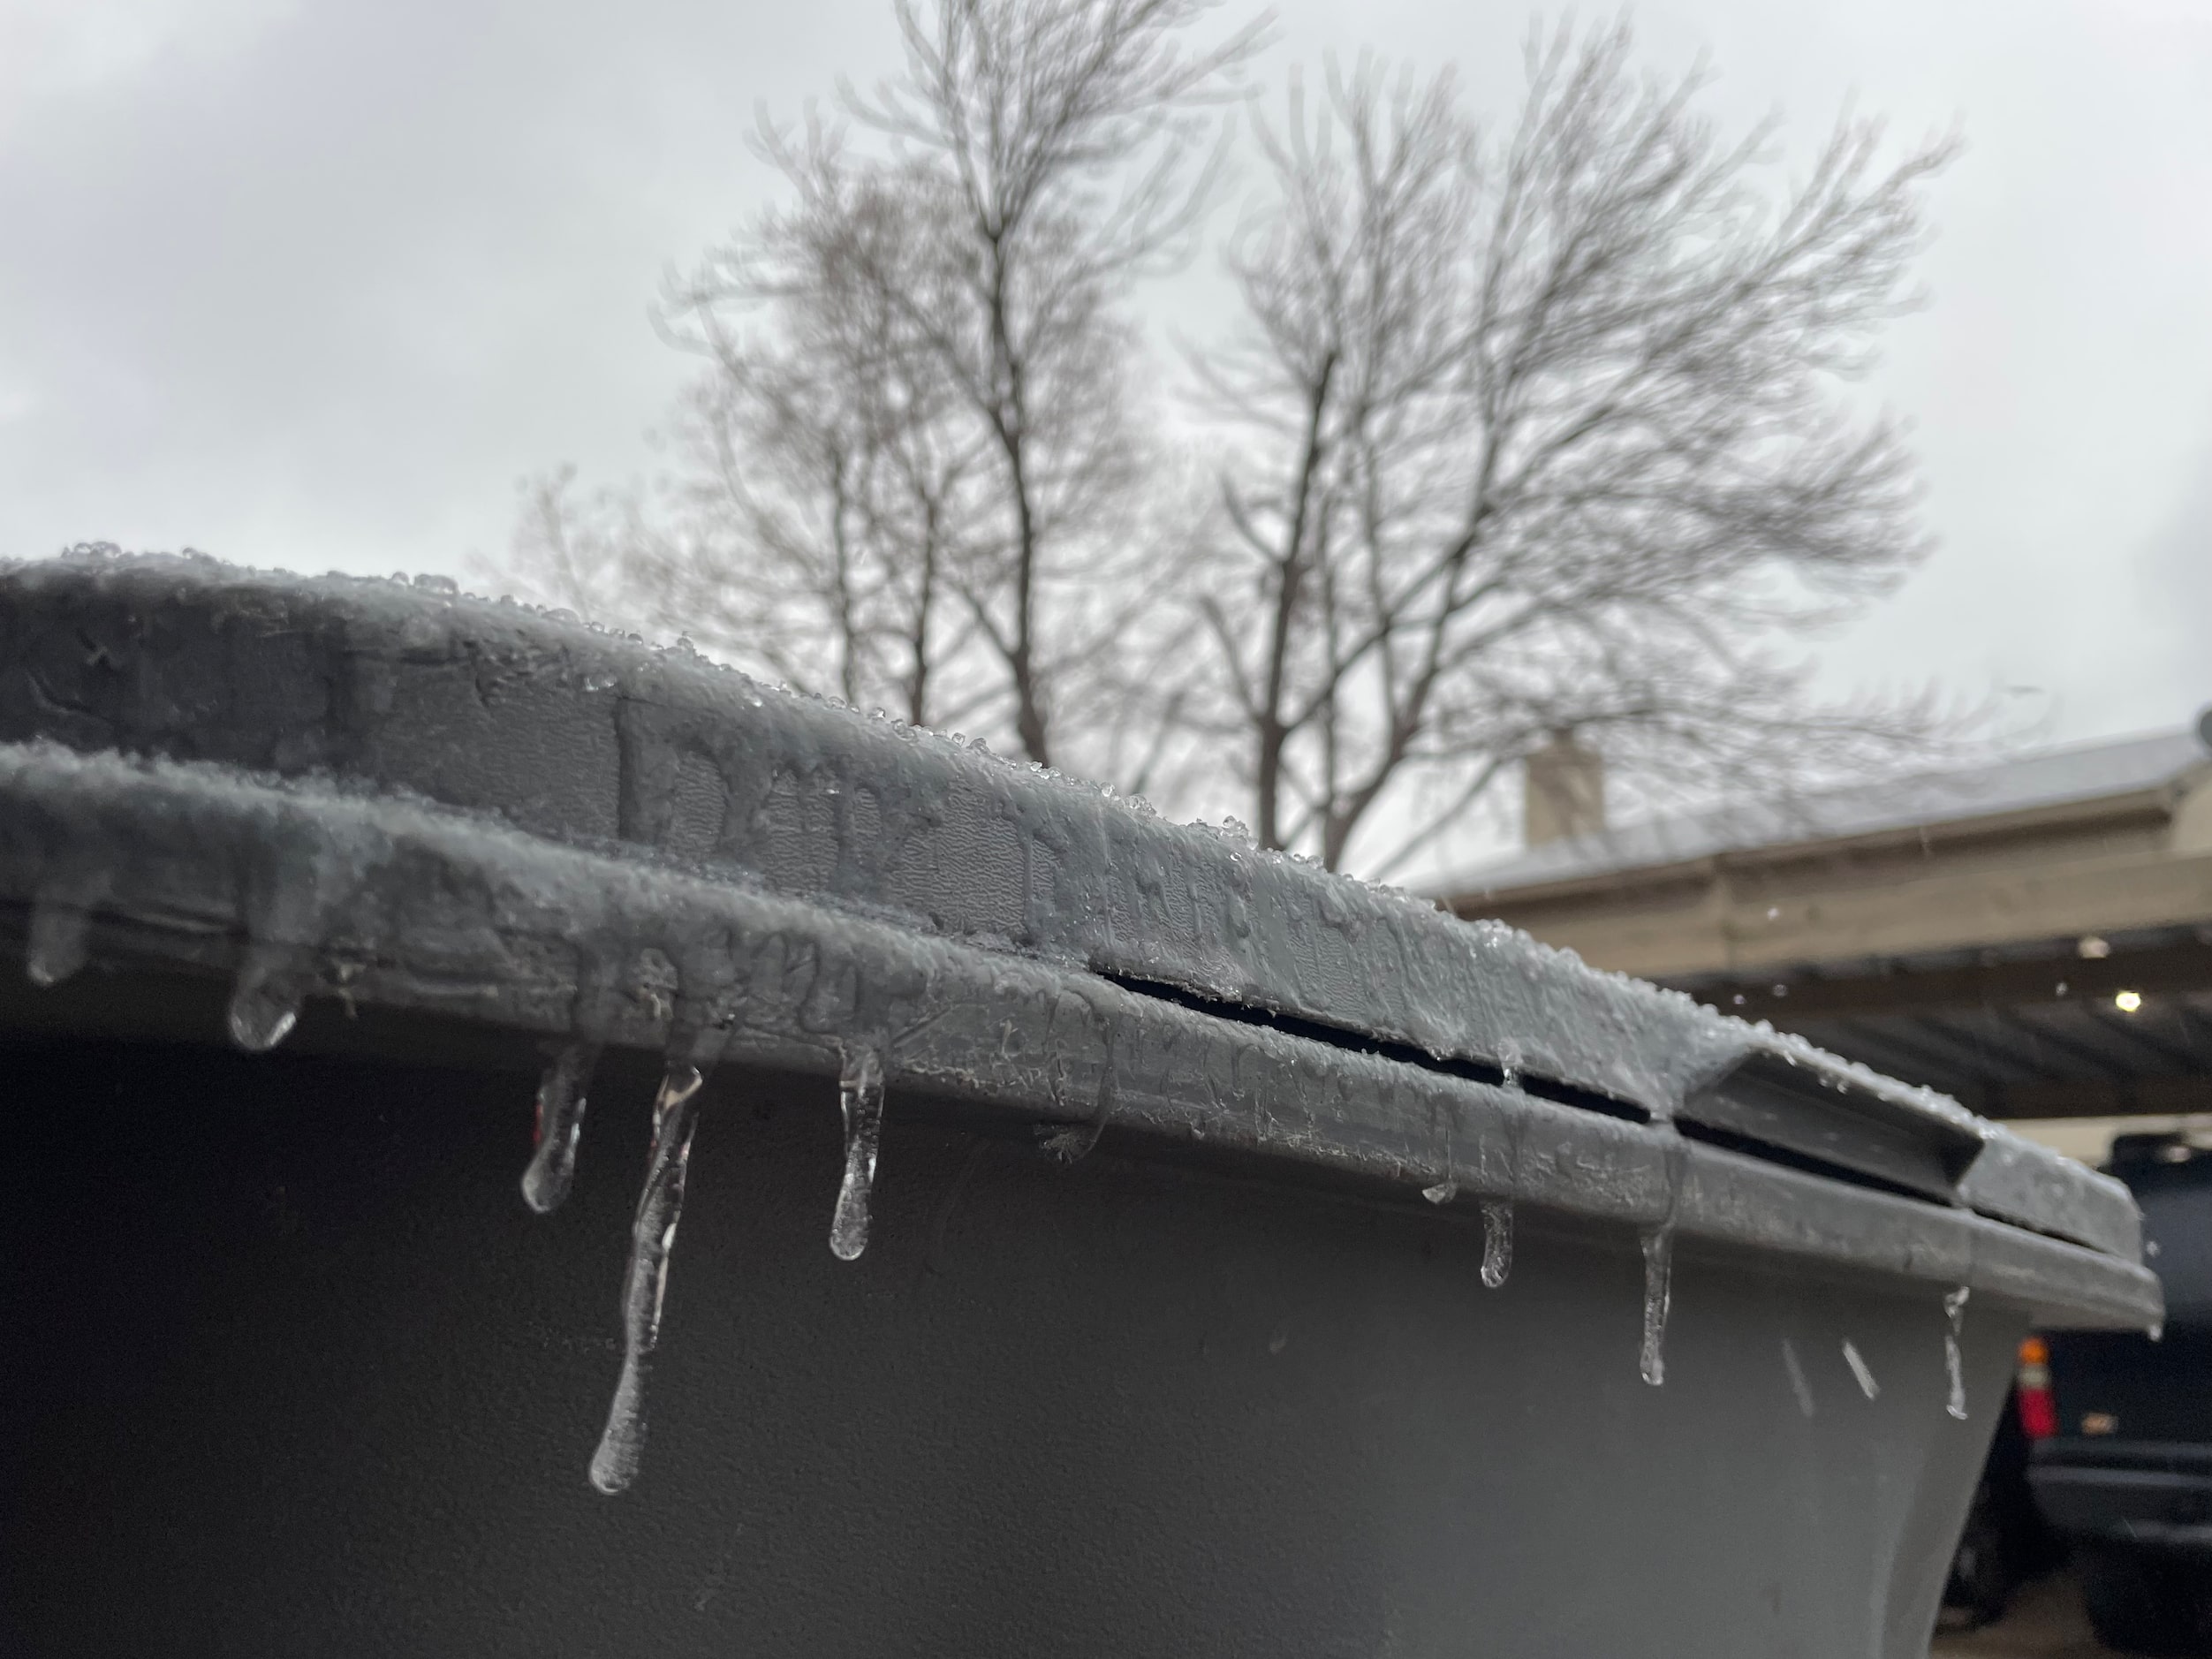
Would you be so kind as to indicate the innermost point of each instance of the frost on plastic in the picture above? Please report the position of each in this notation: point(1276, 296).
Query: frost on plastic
point(265, 998)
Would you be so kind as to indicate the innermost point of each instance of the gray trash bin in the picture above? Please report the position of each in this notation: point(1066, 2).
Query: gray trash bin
point(1102, 1236)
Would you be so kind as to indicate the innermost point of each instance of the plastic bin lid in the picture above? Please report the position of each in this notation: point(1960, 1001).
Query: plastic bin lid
point(300, 763)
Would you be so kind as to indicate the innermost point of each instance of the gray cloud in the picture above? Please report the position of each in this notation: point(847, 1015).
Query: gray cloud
point(312, 284)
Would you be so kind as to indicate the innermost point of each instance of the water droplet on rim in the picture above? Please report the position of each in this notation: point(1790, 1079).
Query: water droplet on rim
point(1497, 1241)
point(264, 1000)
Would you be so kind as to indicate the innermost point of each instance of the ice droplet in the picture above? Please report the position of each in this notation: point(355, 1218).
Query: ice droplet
point(57, 946)
point(264, 999)
point(1798, 1386)
point(56, 943)
point(1069, 1142)
point(1955, 1315)
point(1658, 1296)
point(1866, 1385)
point(1443, 1193)
point(1497, 1241)
point(652, 1236)
point(860, 1097)
point(560, 1120)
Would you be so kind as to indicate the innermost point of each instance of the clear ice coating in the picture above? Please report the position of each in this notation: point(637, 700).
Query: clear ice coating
point(560, 1120)
point(1658, 1296)
point(1443, 1193)
point(1866, 1385)
point(1497, 1241)
point(1798, 1386)
point(56, 944)
point(264, 999)
point(652, 1236)
point(1955, 1316)
point(860, 1095)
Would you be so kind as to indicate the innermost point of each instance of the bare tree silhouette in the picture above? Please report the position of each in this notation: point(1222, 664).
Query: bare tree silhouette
point(1540, 433)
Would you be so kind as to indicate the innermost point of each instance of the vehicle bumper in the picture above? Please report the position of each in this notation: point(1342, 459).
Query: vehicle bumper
point(2157, 1496)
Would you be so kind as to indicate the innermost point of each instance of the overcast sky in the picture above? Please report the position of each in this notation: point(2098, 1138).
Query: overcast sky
point(312, 284)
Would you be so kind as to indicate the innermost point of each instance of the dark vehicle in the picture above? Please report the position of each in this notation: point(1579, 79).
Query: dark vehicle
point(2006, 1542)
point(2125, 1468)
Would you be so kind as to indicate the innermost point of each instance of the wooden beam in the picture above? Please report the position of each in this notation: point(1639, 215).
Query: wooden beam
point(2097, 1097)
point(2163, 971)
point(1715, 926)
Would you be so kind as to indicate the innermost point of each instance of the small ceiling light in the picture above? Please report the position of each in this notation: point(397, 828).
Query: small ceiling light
point(2127, 1002)
point(2094, 948)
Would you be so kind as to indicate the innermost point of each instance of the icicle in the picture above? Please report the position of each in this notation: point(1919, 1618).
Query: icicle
point(264, 999)
point(1798, 1386)
point(57, 946)
point(1866, 1385)
point(860, 1095)
point(560, 1119)
point(652, 1236)
point(1497, 1241)
point(1443, 1193)
point(1068, 1143)
point(1658, 1244)
point(1658, 1296)
point(61, 920)
point(1955, 1315)
point(290, 913)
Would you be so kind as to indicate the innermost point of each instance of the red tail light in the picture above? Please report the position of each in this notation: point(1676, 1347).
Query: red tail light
point(2039, 1415)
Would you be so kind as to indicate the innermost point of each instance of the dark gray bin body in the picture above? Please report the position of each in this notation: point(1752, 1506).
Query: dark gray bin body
point(304, 1374)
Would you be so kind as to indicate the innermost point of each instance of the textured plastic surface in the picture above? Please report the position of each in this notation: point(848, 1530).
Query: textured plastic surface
point(296, 1372)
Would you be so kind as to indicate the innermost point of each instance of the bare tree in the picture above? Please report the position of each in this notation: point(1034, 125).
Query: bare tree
point(1054, 152)
point(1544, 434)
point(571, 552)
point(919, 467)
point(836, 499)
